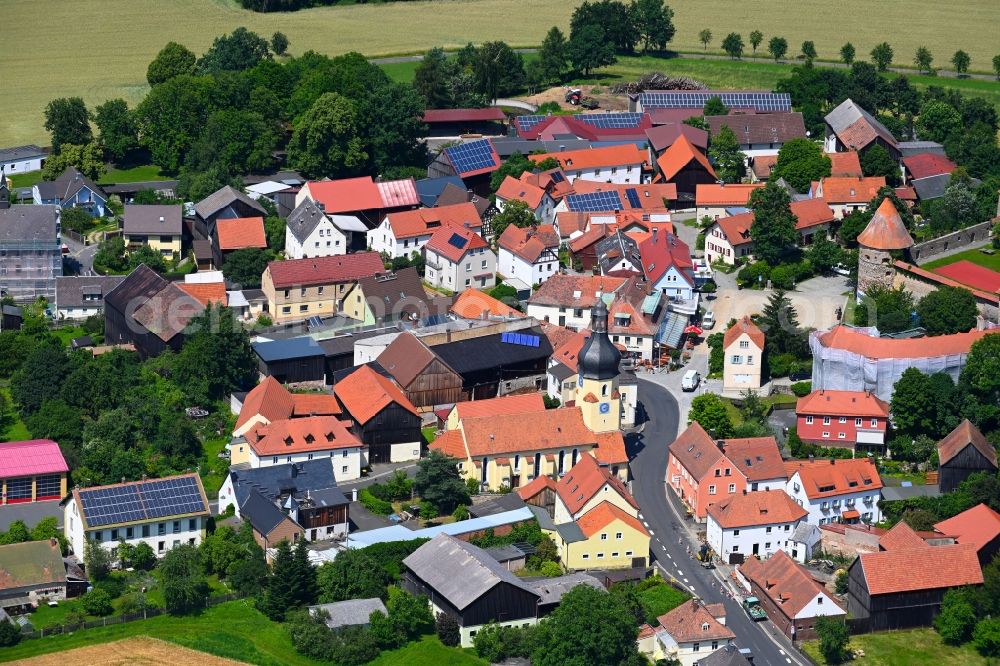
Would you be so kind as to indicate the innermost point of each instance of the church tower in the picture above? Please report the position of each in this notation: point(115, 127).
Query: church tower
point(884, 235)
point(597, 384)
point(4, 191)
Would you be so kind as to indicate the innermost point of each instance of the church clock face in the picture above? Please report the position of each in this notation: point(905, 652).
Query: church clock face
point(605, 407)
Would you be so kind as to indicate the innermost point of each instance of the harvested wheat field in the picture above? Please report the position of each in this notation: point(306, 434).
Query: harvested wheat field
point(139, 650)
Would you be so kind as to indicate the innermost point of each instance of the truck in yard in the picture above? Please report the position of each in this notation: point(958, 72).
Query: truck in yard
point(753, 609)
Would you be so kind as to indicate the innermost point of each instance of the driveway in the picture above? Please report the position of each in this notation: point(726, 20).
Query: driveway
point(30, 512)
point(673, 536)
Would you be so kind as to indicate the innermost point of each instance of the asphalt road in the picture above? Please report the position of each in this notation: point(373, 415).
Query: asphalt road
point(660, 513)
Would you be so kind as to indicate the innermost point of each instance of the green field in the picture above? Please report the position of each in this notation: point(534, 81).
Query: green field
point(904, 648)
point(105, 57)
point(991, 261)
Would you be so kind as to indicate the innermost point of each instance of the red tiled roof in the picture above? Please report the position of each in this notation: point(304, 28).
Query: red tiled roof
point(785, 582)
point(736, 228)
point(569, 351)
point(464, 115)
point(364, 393)
point(842, 403)
point(362, 193)
point(664, 136)
point(508, 404)
point(423, 221)
point(324, 270)
point(274, 402)
point(747, 326)
point(661, 251)
point(533, 431)
point(592, 158)
point(808, 213)
point(552, 127)
point(906, 193)
point(923, 165)
point(205, 293)
point(679, 155)
point(474, 304)
point(313, 433)
point(513, 189)
point(849, 190)
point(603, 515)
point(886, 231)
point(692, 622)
point(936, 567)
point(450, 443)
point(576, 291)
point(535, 486)
point(762, 165)
point(848, 339)
point(754, 509)
point(241, 232)
point(585, 480)
point(695, 450)
point(974, 275)
point(610, 448)
point(653, 197)
point(446, 240)
point(978, 526)
point(827, 478)
point(31, 457)
point(965, 434)
point(529, 243)
point(901, 537)
point(767, 128)
point(724, 195)
point(845, 164)
point(758, 458)
point(314, 404)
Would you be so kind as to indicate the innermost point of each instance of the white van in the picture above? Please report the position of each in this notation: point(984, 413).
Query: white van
point(690, 380)
point(708, 321)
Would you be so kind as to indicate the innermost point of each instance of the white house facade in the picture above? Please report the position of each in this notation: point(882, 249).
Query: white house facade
point(22, 159)
point(512, 265)
point(826, 509)
point(762, 539)
point(326, 240)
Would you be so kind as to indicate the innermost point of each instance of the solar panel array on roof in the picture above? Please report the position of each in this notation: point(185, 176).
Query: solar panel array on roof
point(557, 177)
point(147, 500)
point(594, 202)
point(522, 339)
point(760, 101)
point(457, 240)
point(633, 198)
point(471, 156)
point(526, 123)
point(611, 120)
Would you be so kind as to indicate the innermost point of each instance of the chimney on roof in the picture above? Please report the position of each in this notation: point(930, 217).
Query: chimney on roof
point(721, 443)
point(810, 457)
point(654, 234)
point(832, 461)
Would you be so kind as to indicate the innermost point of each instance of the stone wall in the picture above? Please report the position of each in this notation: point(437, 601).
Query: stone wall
point(956, 240)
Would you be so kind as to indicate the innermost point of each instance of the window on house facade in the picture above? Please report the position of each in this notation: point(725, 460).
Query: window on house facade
point(711, 490)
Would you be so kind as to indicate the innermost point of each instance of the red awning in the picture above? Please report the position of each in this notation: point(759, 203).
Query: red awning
point(693, 330)
point(851, 515)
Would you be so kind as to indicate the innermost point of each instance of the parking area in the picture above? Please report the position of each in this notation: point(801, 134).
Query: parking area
point(815, 300)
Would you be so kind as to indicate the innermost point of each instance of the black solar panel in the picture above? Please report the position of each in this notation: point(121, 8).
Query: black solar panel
point(611, 120)
point(760, 101)
point(633, 198)
point(458, 241)
point(472, 156)
point(594, 202)
point(146, 500)
point(557, 177)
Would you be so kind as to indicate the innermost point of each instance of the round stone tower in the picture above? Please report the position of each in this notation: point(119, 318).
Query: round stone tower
point(885, 234)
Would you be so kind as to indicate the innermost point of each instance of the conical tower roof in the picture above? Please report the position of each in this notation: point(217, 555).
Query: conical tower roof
point(886, 231)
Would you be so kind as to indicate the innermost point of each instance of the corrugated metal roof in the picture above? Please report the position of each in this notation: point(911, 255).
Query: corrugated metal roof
point(280, 350)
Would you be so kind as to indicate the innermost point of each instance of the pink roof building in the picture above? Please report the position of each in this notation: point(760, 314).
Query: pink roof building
point(32, 470)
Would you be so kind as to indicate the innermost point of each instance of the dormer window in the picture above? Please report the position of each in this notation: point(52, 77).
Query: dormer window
point(329, 436)
point(289, 440)
point(310, 439)
point(704, 626)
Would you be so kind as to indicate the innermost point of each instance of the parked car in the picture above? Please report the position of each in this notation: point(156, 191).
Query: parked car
point(708, 321)
point(841, 269)
point(690, 380)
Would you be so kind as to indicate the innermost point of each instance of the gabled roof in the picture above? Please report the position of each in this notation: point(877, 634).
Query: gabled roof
point(352, 612)
point(528, 243)
point(450, 443)
point(593, 158)
point(724, 195)
point(273, 481)
point(660, 252)
point(855, 127)
point(808, 213)
point(979, 526)
point(610, 448)
point(31, 564)
point(473, 158)
point(768, 507)
point(603, 515)
point(857, 342)
point(842, 403)
point(395, 295)
point(923, 165)
point(680, 153)
point(474, 304)
point(848, 190)
point(68, 184)
point(224, 196)
point(692, 622)
point(758, 458)
point(532, 431)
point(576, 291)
point(453, 243)
point(965, 434)
point(785, 582)
point(760, 127)
point(206, 293)
point(827, 478)
point(424, 221)
point(695, 450)
point(901, 537)
point(663, 136)
point(324, 270)
point(568, 353)
point(508, 404)
point(241, 232)
point(362, 193)
point(304, 219)
point(274, 402)
point(406, 358)
point(744, 326)
point(29, 223)
point(647, 197)
point(153, 220)
point(886, 231)
point(71, 289)
point(164, 309)
point(364, 393)
point(513, 189)
point(736, 228)
point(912, 570)
point(430, 189)
point(31, 457)
point(845, 164)
point(311, 433)
point(585, 480)
point(142, 501)
point(459, 571)
point(261, 513)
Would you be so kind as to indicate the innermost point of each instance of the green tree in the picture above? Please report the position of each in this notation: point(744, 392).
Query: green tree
point(986, 637)
point(515, 212)
point(957, 618)
point(279, 592)
point(780, 324)
point(733, 45)
point(588, 627)
point(705, 37)
point(729, 160)
point(183, 580)
point(67, 121)
point(709, 410)
point(447, 629)
point(996, 66)
point(882, 56)
point(97, 602)
point(777, 47)
point(279, 43)
point(923, 60)
point(356, 576)
point(589, 49)
point(888, 309)
point(119, 135)
point(143, 557)
point(800, 162)
point(239, 50)
point(438, 482)
point(410, 614)
point(326, 139)
point(172, 116)
point(654, 21)
point(824, 254)
point(10, 634)
point(773, 229)
point(40, 377)
point(981, 378)
point(76, 219)
point(236, 141)
point(756, 37)
point(431, 79)
point(715, 107)
point(245, 267)
point(948, 310)
point(847, 53)
point(911, 407)
point(88, 159)
point(517, 164)
point(216, 358)
point(960, 61)
point(498, 69)
point(876, 161)
point(809, 50)
point(173, 60)
point(938, 121)
point(552, 57)
point(393, 131)
point(833, 639)
point(96, 561)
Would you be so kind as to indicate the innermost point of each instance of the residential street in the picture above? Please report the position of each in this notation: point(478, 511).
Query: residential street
point(663, 517)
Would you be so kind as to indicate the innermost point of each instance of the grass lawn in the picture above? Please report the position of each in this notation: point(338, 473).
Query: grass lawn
point(991, 261)
point(15, 431)
point(661, 599)
point(429, 433)
point(428, 651)
point(400, 72)
point(134, 175)
point(25, 179)
point(67, 333)
point(903, 648)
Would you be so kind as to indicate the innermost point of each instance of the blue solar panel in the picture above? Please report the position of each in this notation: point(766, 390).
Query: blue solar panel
point(677, 99)
point(611, 120)
point(458, 241)
point(472, 156)
point(147, 500)
point(633, 198)
point(557, 177)
point(594, 202)
point(527, 123)
point(521, 339)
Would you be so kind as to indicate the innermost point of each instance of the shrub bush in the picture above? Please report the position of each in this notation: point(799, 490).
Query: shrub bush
point(447, 629)
point(374, 504)
point(113, 585)
point(97, 602)
point(461, 512)
point(753, 275)
point(10, 634)
point(801, 389)
point(550, 569)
